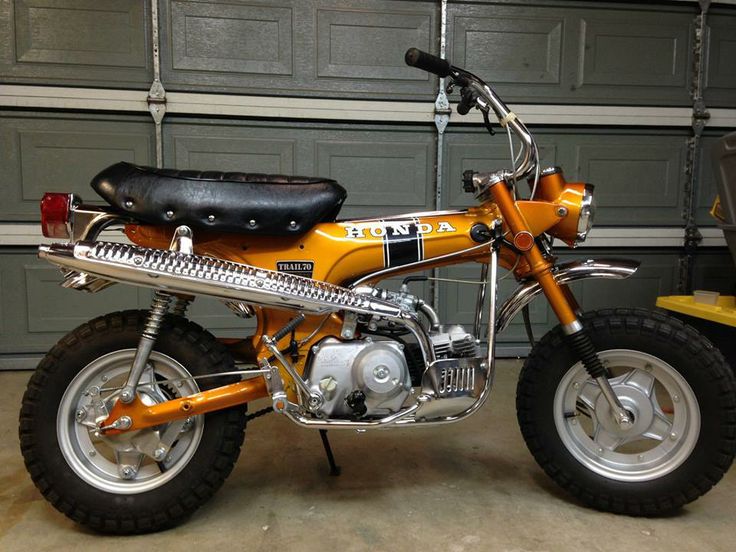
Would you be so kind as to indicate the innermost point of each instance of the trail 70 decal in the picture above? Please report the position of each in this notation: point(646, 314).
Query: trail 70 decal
point(403, 240)
point(297, 268)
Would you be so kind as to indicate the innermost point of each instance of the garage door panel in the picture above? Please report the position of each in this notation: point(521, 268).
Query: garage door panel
point(381, 177)
point(42, 311)
point(509, 46)
point(721, 71)
point(231, 38)
point(339, 49)
point(651, 50)
point(638, 179)
point(86, 42)
point(58, 154)
point(386, 170)
point(364, 45)
point(269, 156)
point(537, 53)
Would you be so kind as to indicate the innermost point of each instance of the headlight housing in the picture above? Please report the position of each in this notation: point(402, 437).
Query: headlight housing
point(562, 209)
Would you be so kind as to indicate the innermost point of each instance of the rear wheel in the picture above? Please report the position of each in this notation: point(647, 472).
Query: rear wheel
point(136, 481)
point(676, 385)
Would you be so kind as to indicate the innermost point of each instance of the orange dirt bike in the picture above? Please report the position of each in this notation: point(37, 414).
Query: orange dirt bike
point(135, 418)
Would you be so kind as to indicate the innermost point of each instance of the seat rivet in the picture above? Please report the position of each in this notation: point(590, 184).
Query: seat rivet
point(292, 224)
point(169, 214)
point(211, 218)
point(252, 222)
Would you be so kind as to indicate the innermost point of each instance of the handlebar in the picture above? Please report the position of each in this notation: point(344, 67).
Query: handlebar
point(432, 64)
point(486, 99)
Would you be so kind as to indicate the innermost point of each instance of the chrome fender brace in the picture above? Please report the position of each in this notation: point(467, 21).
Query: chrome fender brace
point(565, 273)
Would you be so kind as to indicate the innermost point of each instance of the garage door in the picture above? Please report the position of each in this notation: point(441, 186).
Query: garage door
point(626, 95)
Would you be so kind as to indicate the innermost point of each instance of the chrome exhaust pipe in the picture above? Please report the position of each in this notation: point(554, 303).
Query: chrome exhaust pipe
point(102, 263)
point(177, 272)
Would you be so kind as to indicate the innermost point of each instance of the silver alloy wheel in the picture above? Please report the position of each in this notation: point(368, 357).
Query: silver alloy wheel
point(114, 463)
point(666, 417)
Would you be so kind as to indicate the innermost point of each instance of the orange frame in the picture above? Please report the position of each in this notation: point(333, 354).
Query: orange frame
point(351, 251)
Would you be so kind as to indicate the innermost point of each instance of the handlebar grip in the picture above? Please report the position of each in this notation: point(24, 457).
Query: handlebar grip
point(422, 60)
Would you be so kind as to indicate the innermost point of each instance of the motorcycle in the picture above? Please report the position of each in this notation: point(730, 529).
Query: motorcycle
point(134, 419)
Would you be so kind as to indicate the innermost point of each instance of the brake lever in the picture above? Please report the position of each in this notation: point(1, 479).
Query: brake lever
point(487, 122)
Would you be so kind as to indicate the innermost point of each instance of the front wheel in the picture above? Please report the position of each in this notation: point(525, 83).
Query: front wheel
point(138, 481)
point(676, 385)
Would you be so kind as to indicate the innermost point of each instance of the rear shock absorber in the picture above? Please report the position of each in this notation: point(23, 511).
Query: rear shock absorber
point(159, 308)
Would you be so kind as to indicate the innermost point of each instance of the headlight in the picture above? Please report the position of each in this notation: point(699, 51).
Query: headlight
point(587, 213)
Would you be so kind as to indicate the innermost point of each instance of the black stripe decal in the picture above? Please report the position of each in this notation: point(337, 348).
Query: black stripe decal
point(401, 244)
point(420, 242)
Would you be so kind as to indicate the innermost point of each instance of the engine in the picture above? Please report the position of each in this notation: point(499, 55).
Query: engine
point(361, 377)
point(453, 342)
point(373, 377)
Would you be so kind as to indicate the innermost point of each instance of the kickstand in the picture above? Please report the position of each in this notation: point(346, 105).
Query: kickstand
point(334, 468)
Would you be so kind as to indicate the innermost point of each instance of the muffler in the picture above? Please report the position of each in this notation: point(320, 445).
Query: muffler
point(95, 264)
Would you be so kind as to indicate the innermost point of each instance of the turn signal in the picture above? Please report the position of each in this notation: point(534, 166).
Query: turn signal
point(55, 210)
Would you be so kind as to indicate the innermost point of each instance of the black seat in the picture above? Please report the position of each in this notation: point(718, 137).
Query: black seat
point(268, 204)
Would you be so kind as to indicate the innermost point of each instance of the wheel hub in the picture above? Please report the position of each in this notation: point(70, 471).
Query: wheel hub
point(133, 461)
point(636, 402)
point(654, 444)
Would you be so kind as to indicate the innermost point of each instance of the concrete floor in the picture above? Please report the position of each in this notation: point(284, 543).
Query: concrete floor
point(471, 486)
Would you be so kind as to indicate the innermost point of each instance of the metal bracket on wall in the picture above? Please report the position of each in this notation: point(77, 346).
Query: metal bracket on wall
point(442, 109)
point(157, 95)
point(700, 117)
point(442, 113)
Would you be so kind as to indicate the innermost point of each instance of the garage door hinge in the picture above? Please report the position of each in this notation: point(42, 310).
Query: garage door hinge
point(442, 109)
point(157, 101)
point(692, 238)
point(700, 116)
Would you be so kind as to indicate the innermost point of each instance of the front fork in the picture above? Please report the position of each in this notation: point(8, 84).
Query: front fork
point(560, 299)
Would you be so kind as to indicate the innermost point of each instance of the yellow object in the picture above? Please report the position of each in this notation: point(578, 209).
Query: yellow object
point(717, 210)
point(722, 312)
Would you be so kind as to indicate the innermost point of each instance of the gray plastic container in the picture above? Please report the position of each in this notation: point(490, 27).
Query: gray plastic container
point(723, 156)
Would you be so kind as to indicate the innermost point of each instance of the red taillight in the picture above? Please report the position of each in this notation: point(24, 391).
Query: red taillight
point(55, 209)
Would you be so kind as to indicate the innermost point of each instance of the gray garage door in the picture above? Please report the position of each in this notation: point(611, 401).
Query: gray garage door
point(626, 95)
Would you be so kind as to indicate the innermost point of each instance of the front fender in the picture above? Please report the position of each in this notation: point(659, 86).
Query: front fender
point(564, 274)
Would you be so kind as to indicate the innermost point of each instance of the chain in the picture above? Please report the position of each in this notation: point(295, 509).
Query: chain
point(261, 412)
